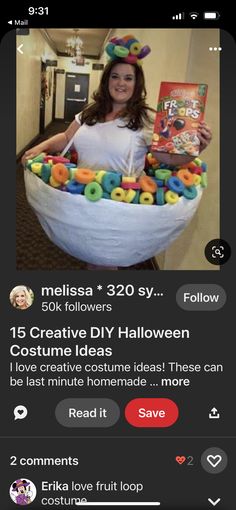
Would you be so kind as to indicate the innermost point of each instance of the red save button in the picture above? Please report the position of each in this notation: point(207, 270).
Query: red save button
point(151, 412)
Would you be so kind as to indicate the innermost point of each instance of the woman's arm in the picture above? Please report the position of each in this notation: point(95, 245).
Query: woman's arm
point(204, 134)
point(54, 144)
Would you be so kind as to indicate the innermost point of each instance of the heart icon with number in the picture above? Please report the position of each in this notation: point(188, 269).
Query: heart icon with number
point(214, 460)
point(181, 459)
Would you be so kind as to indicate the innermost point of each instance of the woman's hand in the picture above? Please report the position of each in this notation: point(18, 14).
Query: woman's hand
point(204, 134)
point(30, 154)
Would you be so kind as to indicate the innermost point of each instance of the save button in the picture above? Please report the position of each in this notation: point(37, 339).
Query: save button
point(151, 412)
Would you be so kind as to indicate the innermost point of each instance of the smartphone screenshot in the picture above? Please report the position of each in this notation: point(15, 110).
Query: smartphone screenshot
point(117, 302)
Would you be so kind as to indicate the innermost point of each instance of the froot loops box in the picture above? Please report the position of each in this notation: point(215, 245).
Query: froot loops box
point(180, 108)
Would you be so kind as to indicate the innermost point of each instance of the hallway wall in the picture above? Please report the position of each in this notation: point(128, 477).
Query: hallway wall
point(28, 87)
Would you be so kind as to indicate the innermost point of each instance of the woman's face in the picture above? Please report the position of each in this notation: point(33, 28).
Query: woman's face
point(122, 83)
point(20, 299)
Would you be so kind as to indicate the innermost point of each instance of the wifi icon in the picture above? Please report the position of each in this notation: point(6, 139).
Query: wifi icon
point(194, 15)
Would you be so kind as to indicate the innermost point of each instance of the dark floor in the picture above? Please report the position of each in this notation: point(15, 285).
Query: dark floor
point(34, 250)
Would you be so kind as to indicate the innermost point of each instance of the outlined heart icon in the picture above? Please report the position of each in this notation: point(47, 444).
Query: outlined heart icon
point(214, 460)
point(180, 459)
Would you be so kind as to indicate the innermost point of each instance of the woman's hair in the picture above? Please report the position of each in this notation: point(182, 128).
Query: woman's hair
point(136, 110)
point(16, 290)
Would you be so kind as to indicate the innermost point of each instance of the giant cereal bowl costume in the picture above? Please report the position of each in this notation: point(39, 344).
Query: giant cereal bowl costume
point(108, 232)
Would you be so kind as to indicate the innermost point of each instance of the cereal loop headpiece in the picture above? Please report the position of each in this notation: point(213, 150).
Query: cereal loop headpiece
point(128, 48)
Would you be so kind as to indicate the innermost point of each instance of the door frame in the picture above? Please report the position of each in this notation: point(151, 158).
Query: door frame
point(42, 100)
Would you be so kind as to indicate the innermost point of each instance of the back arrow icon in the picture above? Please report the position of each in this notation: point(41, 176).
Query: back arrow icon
point(214, 503)
point(19, 49)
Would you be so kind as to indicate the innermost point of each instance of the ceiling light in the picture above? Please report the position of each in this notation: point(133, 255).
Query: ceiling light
point(74, 44)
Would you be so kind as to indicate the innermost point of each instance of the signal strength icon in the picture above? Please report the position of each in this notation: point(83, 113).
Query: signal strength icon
point(178, 16)
point(194, 15)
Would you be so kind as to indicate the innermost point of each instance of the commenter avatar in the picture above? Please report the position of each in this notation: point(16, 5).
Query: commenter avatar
point(22, 492)
point(21, 297)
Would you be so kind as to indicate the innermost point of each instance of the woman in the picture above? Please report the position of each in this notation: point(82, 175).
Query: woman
point(20, 297)
point(115, 131)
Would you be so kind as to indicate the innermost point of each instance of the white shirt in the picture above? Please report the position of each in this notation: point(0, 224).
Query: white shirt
point(106, 146)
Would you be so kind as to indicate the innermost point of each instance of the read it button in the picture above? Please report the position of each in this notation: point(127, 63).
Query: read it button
point(151, 412)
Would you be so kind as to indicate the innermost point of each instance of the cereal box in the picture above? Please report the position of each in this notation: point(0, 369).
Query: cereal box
point(180, 108)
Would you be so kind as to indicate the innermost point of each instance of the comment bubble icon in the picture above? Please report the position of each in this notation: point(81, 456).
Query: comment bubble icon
point(20, 412)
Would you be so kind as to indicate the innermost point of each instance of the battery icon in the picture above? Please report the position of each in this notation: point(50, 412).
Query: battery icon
point(211, 15)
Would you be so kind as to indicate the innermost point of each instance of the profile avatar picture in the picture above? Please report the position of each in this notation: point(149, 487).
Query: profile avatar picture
point(23, 491)
point(21, 297)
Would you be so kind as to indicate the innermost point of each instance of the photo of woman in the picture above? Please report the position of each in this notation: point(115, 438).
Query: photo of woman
point(21, 297)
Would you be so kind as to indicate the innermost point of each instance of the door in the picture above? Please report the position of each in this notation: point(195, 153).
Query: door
point(76, 94)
